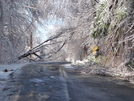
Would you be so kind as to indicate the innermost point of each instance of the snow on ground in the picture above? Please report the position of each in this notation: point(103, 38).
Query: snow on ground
point(4, 75)
point(68, 66)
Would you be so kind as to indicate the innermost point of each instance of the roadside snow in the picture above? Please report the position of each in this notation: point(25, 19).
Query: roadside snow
point(12, 66)
point(4, 75)
point(68, 66)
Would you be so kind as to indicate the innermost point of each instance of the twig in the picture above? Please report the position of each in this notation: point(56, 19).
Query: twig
point(96, 1)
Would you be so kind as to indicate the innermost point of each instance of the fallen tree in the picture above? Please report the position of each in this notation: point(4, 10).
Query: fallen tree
point(37, 48)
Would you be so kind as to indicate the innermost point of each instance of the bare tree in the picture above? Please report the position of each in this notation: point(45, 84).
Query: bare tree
point(83, 23)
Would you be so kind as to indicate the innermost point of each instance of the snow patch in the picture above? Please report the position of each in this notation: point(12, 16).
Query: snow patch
point(68, 66)
point(11, 67)
point(36, 80)
point(5, 75)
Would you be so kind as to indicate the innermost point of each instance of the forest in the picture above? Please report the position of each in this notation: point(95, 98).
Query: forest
point(97, 32)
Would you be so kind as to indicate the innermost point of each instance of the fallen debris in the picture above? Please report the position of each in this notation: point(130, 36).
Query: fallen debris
point(96, 69)
point(5, 70)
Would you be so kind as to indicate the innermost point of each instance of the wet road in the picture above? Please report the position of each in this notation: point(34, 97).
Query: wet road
point(52, 82)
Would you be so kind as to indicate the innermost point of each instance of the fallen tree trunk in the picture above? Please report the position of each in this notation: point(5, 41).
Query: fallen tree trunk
point(30, 52)
point(38, 47)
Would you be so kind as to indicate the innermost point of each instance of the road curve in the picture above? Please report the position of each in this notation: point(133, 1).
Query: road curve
point(52, 82)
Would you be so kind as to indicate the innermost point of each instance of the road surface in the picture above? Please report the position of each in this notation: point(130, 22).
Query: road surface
point(52, 82)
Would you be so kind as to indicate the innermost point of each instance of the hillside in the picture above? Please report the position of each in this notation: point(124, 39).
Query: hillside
point(107, 26)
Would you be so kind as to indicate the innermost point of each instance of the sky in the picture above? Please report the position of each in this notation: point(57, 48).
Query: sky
point(44, 31)
point(48, 27)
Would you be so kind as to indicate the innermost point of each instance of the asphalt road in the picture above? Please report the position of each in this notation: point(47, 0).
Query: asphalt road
point(52, 82)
